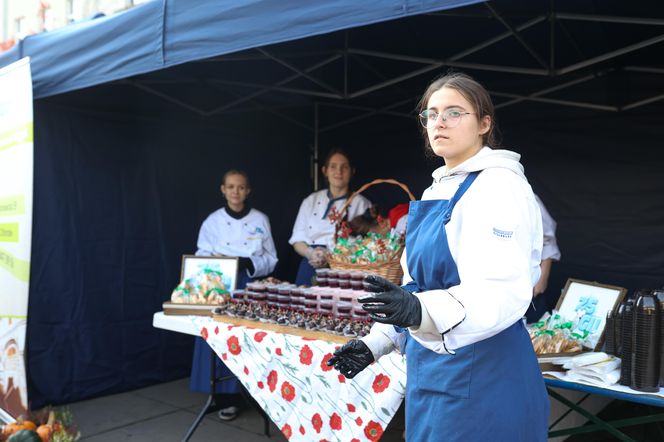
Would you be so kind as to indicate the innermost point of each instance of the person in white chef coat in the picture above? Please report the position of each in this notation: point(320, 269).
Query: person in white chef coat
point(314, 226)
point(234, 230)
point(550, 253)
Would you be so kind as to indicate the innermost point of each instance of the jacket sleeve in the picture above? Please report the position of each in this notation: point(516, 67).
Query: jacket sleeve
point(265, 262)
point(300, 231)
point(206, 239)
point(383, 338)
point(550, 249)
point(496, 242)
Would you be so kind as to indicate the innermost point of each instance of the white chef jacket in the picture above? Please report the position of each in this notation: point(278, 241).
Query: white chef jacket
point(313, 226)
point(495, 239)
point(550, 248)
point(249, 237)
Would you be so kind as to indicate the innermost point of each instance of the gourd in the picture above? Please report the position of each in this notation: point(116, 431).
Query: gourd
point(24, 436)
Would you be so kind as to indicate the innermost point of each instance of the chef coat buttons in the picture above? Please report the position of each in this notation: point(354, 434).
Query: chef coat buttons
point(228, 244)
point(315, 214)
point(228, 222)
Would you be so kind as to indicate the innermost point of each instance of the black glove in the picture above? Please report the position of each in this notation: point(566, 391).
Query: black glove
point(245, 264)
point(390, 304)
point(350, 359)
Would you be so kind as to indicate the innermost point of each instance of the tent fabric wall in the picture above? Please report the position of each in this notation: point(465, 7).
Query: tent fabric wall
point(117, 202)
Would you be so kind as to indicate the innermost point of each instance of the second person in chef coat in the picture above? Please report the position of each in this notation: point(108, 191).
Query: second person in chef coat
point(315, 223)
point(234, 230)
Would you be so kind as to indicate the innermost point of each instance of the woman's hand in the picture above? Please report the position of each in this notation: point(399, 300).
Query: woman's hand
point(317, 257)
point(390, 304)
point(350, 359)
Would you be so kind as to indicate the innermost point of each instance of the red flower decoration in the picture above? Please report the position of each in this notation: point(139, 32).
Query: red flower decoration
point(278, 351)
point(260, 384)
point(258, 337)
point(224, 356)
point(216, 330)
point(286, 429)
point(234, 345)
point(373, 431)
point(358, 421)
point(335, 421)
point(380, 383)
point(306, 355)
point(287, 391)
point(246, 370)
point(323, 440)
point(351, 407)
point(272, 380)
point(323, 365)
point(204, 333)
point(317, 422)
point(342, 379)
point(230, 327)
point(354, 440)
point(302, 429)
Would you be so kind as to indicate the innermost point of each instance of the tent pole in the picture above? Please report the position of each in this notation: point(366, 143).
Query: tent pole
point(315, 153)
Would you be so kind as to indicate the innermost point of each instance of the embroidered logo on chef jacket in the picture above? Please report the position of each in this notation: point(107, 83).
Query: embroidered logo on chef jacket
point(503, 234)
point(256, 233)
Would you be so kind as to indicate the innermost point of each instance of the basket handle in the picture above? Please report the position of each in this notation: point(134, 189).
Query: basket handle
point(366, 186)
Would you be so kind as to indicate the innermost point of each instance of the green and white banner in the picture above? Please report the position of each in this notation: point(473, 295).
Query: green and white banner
point(16, 173)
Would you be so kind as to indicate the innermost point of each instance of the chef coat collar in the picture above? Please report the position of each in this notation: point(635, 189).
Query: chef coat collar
point(331, 202)
point(237, 215)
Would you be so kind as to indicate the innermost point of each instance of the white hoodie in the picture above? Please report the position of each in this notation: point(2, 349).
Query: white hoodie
point(495, 239)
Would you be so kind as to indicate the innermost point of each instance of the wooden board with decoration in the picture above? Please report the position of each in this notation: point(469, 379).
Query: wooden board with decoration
point(310, 334)
point(178, 309)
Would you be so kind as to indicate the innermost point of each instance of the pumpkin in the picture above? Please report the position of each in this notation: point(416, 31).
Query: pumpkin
point(45, 432)
point(25, 436)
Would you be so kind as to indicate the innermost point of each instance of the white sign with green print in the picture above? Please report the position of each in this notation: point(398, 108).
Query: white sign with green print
point(16, 175)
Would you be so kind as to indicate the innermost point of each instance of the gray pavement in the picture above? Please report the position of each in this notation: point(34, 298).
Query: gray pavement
point(164, 412)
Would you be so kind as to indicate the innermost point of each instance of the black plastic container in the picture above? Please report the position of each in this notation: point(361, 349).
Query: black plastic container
point(626, 334)
point(659, 294)
point(644, 374)
point(610, 346)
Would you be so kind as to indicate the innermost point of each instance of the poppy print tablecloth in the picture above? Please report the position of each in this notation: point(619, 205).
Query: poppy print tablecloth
point(307, 400)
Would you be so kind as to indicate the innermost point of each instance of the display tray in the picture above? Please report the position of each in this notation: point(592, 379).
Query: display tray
point(175, 309)
point(310, 334)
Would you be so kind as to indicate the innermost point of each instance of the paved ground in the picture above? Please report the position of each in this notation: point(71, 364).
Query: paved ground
point(164, 413)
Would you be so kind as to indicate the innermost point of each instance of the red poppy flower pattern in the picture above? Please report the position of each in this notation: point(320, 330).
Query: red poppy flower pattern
point(335, 421)
point(286, 429)
point(380, 383)
point(287, 391)
point(272, 380)
point(317, 422)
point(306, 355)
point(309, 401)
point(234, 345)
point(373, 431)
point(323, 364)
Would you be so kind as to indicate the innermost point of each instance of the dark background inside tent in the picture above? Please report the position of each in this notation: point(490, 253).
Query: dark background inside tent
point(125, 174)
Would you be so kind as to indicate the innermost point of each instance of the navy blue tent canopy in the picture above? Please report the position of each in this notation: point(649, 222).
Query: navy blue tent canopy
point(164, 33)
point(138, 115)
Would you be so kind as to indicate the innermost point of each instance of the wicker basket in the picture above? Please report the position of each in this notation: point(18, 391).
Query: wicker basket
point(389, 269)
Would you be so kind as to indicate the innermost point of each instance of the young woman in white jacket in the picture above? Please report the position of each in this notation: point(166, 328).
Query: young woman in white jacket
point(473, 248)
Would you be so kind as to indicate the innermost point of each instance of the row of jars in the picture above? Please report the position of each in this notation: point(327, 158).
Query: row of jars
point(336, 303)
point(345, 279)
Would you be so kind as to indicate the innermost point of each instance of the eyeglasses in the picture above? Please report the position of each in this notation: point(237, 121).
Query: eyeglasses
point(451, 117)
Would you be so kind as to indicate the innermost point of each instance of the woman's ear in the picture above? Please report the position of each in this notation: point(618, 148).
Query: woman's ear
point(222, 188)
point(485, 124)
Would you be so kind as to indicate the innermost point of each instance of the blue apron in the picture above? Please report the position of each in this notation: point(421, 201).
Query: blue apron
point(491, 390)
point(200, 365)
